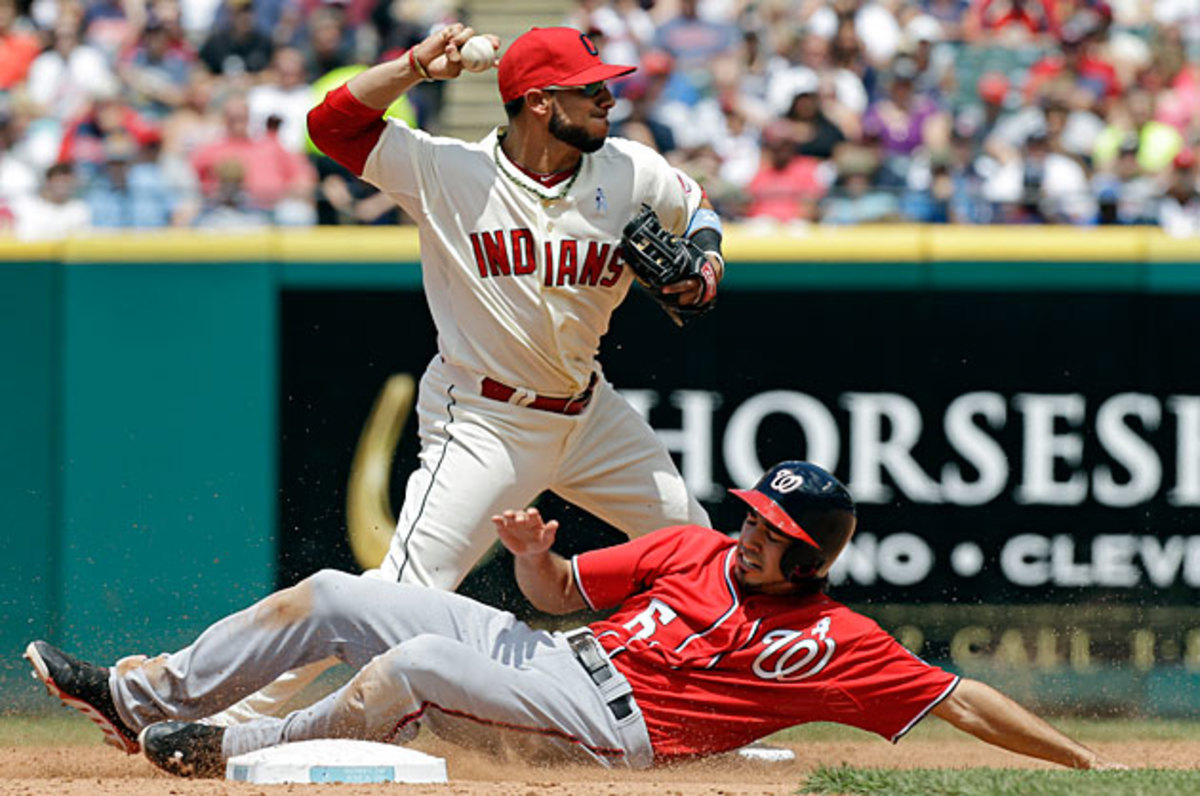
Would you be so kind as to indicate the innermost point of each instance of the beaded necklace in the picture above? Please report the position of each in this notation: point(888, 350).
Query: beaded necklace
point(545, 198)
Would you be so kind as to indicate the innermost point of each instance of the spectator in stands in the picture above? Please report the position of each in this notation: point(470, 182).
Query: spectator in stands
point(1077, 62)
point(1179, 210)
point(1039, 183)
point(109, 24)
point(195, 122)
point(923, 42)
point(697, 45)
point(329, 45)
point(18, 46)
point(17, 178)
point(902, 121)
point(1012, 21)
point(1179, 105)
point(199, 18)
point(856, 198)
point(285, 93)
point(844, 95)
point(787, 186)
point(62, 79)
point(283, 20)
point(169, 15)
point(670, 100)
point(812, 132)
point(846, 53)
point(131, 192)
point(1158, 143)
point(274, 180)
point(983, 117)
point(156, 71)
point(53, 213)
point(86, 136)
point(342, 198)
point(1126, 194)
point(930, 201)
point(238, 47)
point(638, 116)
point(873, 26)
point(740, 153)
point(967, 205)
point(400, 25)
point(229, 206)
point(949, 14)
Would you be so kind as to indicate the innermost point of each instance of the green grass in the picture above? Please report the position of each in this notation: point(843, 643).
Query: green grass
point(1086, 730)
point(57, 728)
point(999, 782)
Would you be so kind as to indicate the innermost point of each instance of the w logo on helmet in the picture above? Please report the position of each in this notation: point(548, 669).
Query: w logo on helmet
point(786, 481)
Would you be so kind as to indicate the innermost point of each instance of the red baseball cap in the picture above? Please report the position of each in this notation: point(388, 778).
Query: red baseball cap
point(545, 57)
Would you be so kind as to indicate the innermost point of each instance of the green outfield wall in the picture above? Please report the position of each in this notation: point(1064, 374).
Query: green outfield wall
point(149, 429)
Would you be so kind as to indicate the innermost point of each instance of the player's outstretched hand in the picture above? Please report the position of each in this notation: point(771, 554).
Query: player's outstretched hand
point(524, 533)
point(439, 52)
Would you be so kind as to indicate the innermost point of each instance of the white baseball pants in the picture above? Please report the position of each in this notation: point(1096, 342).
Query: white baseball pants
point(480, 456)
point(475, 675)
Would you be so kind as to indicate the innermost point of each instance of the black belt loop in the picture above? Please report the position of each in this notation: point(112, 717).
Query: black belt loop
point(591, 657)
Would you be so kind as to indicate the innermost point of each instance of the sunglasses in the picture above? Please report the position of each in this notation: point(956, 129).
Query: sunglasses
point(589, 90)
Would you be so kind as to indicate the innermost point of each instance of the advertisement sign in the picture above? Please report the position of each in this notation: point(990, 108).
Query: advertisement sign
point(1003, 447)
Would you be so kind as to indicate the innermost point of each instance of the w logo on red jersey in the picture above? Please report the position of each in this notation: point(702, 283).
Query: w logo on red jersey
point(789, 656)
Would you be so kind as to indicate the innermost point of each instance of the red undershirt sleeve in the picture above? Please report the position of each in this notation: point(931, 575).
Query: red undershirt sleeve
point(345, 129)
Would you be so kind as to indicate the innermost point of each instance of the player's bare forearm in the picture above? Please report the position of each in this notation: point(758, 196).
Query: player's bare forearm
point(984, 712)
point(545, 578)
point(435, 58)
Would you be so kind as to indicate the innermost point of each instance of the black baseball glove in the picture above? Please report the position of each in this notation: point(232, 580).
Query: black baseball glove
point(659, 258)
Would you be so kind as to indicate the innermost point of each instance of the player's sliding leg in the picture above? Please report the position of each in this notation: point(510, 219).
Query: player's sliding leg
point(329, 614)
point(526, 695)
point(273, 697)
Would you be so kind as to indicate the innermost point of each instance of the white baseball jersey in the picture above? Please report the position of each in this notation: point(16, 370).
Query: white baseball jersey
point(521, 288)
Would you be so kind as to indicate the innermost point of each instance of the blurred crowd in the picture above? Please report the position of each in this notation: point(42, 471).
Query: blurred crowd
point(154, 113)
point(939, 111)
point(188, 113)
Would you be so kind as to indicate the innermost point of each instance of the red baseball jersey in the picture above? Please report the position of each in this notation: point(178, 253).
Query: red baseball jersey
point(714, 668)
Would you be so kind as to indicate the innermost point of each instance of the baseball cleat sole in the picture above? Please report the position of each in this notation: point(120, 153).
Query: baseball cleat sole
point(112, 735)
point(184, 749)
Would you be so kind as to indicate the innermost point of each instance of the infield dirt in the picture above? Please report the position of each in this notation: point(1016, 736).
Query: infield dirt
point(87, 770)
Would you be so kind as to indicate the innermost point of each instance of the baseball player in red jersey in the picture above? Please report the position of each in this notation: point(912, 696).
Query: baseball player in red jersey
point(713, 643)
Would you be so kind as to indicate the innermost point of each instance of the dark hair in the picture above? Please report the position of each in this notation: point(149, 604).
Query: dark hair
point(514, 106)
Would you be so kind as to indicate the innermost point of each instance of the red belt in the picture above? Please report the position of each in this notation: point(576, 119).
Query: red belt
point(563, 406)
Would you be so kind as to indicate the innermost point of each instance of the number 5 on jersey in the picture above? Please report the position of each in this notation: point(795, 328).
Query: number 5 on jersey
point(645, 623)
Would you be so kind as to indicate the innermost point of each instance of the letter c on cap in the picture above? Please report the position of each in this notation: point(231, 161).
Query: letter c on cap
point(587, 44)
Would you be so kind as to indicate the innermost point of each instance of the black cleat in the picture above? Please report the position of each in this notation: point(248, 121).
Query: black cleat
point(185, 749)
point(84, 687)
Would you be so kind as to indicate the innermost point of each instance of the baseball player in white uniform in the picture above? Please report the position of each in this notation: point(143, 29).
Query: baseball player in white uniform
point(519, 249)
point(520, 237)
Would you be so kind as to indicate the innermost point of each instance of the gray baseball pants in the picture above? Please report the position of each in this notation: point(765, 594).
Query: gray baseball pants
point(473, 674)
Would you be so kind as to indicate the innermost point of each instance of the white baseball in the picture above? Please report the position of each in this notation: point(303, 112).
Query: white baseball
point(478, 54)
